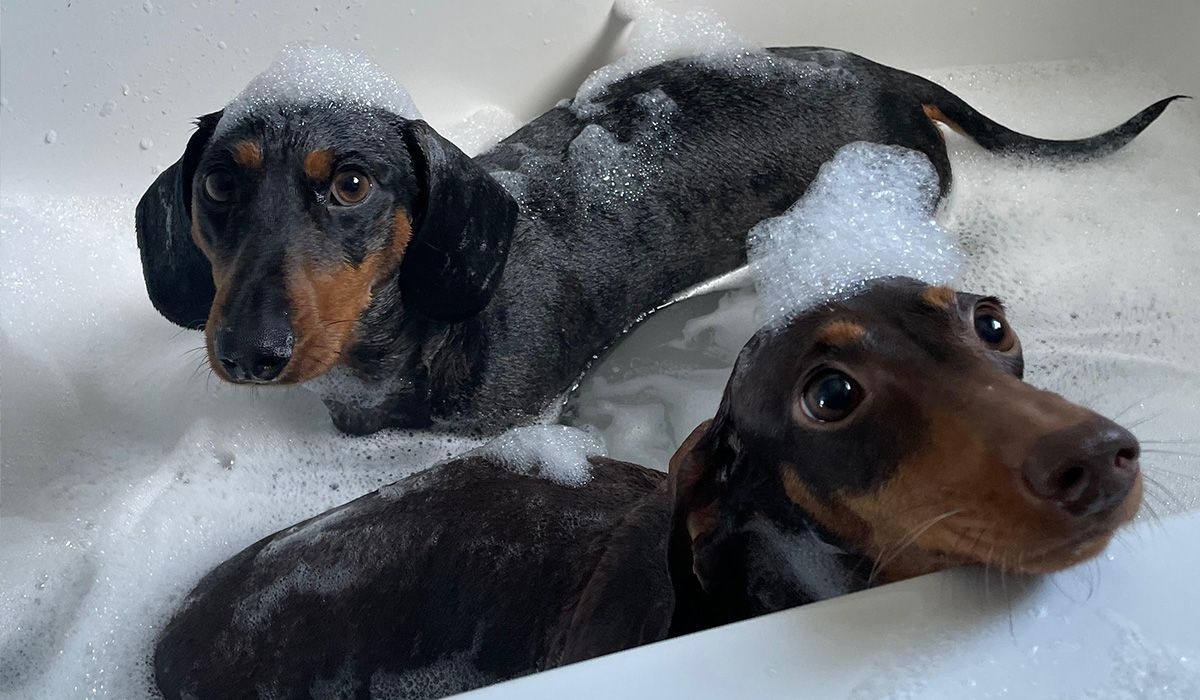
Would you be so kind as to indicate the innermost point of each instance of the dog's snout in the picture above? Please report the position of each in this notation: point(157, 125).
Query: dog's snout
point(258, 356)
point(1087, 469)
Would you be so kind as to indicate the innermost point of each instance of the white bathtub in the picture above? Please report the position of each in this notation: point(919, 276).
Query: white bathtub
point(97, 97)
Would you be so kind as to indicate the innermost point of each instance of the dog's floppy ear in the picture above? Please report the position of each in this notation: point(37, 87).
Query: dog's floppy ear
point(462, 227)
point(178, 276)
point(700, 536)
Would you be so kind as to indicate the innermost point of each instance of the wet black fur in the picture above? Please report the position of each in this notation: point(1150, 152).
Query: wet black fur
point(502, 301)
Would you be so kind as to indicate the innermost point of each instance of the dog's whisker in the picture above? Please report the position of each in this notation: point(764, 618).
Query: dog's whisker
point(1179, 441)
point(1170, 453)
point(1131, 406)
point(881, 562)
point(1145, 419)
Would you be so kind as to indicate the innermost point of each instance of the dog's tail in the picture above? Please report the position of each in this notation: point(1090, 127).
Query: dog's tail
point(943, 106)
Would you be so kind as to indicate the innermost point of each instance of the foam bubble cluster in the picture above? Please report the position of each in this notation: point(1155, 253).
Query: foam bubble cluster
point(555, 452)
point(303, 75)
point(658, 35)
point(868, 214)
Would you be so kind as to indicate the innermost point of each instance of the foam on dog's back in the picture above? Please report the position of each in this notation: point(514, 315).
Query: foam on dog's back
point(304, 75)
point(658, 35)
point(868, 214)
point(555, 452)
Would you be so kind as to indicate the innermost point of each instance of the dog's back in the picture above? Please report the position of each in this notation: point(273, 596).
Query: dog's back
point(397, 592)
point(651, 188)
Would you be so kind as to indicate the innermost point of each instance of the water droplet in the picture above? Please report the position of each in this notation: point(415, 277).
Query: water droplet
point(125, 89)
point(145, 144)
point(222, 45)
point(147, 6)
point(51, 136)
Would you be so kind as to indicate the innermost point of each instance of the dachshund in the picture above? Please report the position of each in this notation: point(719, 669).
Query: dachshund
point(865, 441)
point(362, 254)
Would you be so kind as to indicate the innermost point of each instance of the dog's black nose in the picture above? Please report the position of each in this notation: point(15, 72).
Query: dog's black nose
point(1088, 469)
point(257, 356)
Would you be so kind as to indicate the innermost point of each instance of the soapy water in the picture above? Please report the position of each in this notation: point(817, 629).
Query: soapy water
point(128, 471)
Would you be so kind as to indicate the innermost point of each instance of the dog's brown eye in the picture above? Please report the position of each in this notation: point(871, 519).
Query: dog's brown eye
point(219, 185)
point(831, 396)
point(350, 187)
point(992, 328)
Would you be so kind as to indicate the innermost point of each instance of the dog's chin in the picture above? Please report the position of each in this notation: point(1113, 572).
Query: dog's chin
point(1015, 553)
point(1054, 554)
point(1083, 545)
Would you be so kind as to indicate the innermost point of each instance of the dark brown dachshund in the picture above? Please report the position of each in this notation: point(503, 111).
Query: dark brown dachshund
point(867, 441)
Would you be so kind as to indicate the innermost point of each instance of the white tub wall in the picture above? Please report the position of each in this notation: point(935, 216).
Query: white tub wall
point(62, 61)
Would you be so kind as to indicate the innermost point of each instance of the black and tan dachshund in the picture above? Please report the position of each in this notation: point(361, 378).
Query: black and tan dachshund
point(363, 253)
point(361, 249)
point(867, 441)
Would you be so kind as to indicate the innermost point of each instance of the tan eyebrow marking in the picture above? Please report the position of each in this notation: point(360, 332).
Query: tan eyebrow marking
point(318, 163)
point(248, 154)
point(939, 297)
point(841, 333)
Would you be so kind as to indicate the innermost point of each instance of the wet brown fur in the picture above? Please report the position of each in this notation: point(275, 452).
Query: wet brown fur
point(940, 297)
point(841, 333)
point(318, 164)
point(328, 300)
point(248, 154)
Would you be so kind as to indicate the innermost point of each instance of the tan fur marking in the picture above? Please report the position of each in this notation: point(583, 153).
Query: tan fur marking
point(317, 164)
point(248, 154)
point(327, 302)
point(935, 113)
point(853, 530)
point(956, 502)
point(841, 333)
point(940, 297)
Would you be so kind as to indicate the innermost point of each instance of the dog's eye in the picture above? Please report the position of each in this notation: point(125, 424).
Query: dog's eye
point(350, 187)
point(219, 185)
point(992, 328)
point(831, 396)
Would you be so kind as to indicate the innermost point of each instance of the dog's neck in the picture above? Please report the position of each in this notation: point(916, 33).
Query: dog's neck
point(403, 371)
point(758, 561)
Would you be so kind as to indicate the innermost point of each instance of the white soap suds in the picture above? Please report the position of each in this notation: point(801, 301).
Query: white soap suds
point(607, 174)
point(867, 215)
point(555, 452)
point(658, 35)
point(305, 75)
point(482, 129)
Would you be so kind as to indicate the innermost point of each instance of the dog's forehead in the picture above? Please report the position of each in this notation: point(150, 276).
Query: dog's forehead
point(286, 129)
point(880, 315)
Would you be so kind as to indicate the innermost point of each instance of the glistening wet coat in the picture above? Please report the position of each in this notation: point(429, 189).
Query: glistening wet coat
point(526, 262)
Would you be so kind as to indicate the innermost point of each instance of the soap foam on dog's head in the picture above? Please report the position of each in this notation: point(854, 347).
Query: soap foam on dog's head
point(303, 75)
point(868, 215)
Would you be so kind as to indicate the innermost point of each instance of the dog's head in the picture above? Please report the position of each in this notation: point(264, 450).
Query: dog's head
point(898, 423)
point(276, 233)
